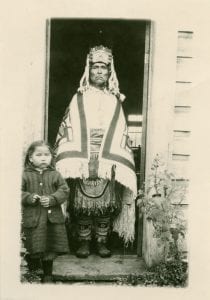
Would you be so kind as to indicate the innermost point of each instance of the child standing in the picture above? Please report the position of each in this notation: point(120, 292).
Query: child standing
point(43, 192)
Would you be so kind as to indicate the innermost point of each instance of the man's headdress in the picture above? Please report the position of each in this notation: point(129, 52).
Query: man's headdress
point(100, 54)
point(104, 55)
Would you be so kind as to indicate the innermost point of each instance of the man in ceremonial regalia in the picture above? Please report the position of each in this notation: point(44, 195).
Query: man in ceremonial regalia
point(93, 150)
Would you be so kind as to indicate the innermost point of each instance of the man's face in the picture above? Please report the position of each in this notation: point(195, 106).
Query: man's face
point(99, 74)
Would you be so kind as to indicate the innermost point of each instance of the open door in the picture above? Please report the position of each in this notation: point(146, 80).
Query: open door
point(147, 65)
point(69, 41)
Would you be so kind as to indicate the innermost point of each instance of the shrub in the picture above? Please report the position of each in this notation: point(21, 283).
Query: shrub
point(160, 202)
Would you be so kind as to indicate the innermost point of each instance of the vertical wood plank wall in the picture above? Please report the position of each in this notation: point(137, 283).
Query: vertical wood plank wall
point(182, 105)
point(181, 152)
point(169, 116)
point(160, 115)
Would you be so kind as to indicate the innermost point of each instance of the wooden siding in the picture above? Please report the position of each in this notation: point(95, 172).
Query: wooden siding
point(182, 119)
point(181, 146)
point(185, 39)
point(184, 72)
point(183, 93)
point(182, 105)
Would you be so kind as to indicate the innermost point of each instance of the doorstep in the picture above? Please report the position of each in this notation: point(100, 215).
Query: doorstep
point(95, 268)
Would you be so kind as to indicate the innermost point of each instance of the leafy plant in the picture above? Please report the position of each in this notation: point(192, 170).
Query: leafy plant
point(160, 201)
point(170, 273)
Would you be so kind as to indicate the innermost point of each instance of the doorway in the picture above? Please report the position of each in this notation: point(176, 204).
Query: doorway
point(69, 42)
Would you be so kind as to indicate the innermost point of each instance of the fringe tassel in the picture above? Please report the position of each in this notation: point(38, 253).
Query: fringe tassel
point(97, 206)
point(73, 168)
point(124, 224)
point(123, 175)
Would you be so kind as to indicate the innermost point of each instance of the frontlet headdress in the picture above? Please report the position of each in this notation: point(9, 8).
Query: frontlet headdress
point(100, 54)
point(104, 55)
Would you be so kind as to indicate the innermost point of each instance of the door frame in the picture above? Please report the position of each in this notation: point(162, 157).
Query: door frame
point(146, 95)
point(47, 78)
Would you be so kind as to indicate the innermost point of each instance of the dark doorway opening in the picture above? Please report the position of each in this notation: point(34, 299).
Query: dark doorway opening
point(69, 43)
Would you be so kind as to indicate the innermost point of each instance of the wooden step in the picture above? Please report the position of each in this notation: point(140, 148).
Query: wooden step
point(71, 268)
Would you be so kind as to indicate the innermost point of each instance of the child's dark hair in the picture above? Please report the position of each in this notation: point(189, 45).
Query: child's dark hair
point(32, 148)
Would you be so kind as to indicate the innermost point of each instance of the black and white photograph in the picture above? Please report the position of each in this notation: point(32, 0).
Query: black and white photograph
point(102, 150)
point(96, 133)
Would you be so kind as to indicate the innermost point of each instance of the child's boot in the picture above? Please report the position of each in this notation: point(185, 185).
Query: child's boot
point(47, 266)
point(34, 263)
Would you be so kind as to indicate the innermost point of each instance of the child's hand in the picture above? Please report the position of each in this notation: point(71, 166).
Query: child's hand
point(45, 201)
point(35, 198)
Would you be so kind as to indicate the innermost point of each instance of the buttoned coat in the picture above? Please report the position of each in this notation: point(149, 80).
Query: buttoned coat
point(48, 182)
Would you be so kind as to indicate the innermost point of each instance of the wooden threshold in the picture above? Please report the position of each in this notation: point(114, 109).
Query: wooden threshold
point(71, 268)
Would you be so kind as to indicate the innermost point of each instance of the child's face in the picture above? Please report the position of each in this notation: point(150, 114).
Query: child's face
point(41, 157)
